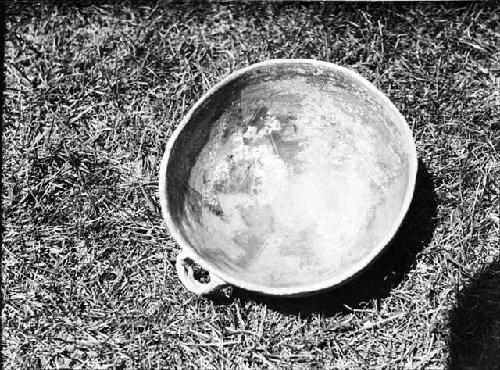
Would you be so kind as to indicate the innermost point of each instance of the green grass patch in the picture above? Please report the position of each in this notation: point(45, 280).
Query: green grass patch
point(93, 91)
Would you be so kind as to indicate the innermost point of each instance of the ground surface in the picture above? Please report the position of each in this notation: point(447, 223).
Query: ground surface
point(94, 91)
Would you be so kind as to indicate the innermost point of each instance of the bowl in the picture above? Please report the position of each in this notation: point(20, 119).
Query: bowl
point(286, 178)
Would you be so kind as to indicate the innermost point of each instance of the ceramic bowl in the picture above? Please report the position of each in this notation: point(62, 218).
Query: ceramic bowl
point(286, 178)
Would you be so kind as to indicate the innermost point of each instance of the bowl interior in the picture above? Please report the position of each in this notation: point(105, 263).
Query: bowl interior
point(289, 175)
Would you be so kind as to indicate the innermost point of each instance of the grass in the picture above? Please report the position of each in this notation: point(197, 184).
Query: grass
point(93, 92)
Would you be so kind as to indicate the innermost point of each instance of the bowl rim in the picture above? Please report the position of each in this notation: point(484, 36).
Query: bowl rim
point(317, 286)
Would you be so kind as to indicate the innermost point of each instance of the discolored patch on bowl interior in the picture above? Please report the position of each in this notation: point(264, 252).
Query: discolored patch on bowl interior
point(288, 176)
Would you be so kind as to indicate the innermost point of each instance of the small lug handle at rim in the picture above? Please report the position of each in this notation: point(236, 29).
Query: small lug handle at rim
point(186, 275)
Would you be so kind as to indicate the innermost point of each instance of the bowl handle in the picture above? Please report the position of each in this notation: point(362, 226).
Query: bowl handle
point(186, 275)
